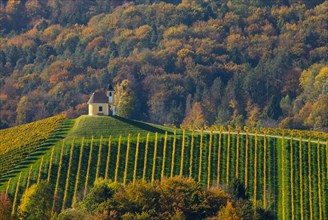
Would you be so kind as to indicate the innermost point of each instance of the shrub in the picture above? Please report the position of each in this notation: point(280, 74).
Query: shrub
point(36, 202)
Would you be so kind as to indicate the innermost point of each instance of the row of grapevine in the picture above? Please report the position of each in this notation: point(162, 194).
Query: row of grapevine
point(14, 150)
point(275, 170)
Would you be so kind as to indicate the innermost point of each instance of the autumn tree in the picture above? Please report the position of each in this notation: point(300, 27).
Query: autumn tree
point(195, 118)
point(5, 206)
point(24, 111)
point(229, 212)
point(36, 202)
point(124, 98)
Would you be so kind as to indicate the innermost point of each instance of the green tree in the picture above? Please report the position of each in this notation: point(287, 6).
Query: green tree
point(99, 196)
point(137, 198)
point(23, 111)
point(73, 214)
point(181, 195)
point(124, 98)
point(36, 202)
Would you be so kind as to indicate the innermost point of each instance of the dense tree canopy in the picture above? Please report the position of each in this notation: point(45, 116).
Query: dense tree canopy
point(256, 63)
point(173, 198)
point(37, 202)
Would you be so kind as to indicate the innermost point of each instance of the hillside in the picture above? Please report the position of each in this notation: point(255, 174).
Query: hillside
point(277, 171)
point(253, 63)
point(21, 142)
point(86, 126)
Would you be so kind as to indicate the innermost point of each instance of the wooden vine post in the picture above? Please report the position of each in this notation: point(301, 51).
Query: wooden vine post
point(16, 195)
point(319, 181)
point(40, 171)
point(182, 151)
point(200, 155)
point(68, 175)
point(8, 185)
point(264, 170)
point(29, 177)
point(108, 157)
point(191, 153)
point(291, 176)
point(154, 159)
point(145, 159)
point(88, 169)
point(164, 156)
point(301, 177)
point(118, 159)
point(209, 160)
point(246, 159)
point(50, 163)
point(58, 176)
point(136, 159)
point(255, 168)
point(126, 160)
point(310, 178)
point(283, 176)
point(98, 158)
point(173, 153)
point(219, 155)
point(237, 153)
point(228, 156)
point(78, 173)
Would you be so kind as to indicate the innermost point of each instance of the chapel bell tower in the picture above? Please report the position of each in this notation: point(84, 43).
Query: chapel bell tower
point(110, 95)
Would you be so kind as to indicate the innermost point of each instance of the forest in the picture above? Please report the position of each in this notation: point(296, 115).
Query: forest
point(257, 63)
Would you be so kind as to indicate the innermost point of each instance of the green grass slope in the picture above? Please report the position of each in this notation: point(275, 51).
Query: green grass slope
point(97, 126)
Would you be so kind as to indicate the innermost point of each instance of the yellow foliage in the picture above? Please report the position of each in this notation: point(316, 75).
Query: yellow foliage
point(125, 33)
point(319, 116)
point(233, 41)
point(229, 213)
point(130, 12)
point(26, 197)
point(321, 80)
point(51, 32)
point(185, 52)
point(143, 32)
point(308, 75)
point(176, 31)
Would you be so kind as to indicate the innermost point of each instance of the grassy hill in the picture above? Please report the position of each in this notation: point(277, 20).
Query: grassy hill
point(278, 171)
point(97, 126)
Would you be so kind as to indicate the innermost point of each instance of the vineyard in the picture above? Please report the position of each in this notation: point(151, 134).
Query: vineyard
point(286, 174)
point(31, 136)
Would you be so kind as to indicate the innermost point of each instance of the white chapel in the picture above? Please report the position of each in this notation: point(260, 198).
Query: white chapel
point(101, 103)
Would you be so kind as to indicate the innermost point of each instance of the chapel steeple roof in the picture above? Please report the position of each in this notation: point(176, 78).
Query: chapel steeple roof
point(110, 87)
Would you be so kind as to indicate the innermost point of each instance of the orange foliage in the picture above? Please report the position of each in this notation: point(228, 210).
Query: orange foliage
point(143, 32)
point(51, 32)
point(195, 117)
point(97, 42)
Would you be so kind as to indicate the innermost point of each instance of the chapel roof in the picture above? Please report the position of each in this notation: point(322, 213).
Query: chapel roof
point(110, 87)
point(98, 97)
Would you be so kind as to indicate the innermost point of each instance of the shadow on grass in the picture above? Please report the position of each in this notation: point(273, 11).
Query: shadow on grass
point(141, 125)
